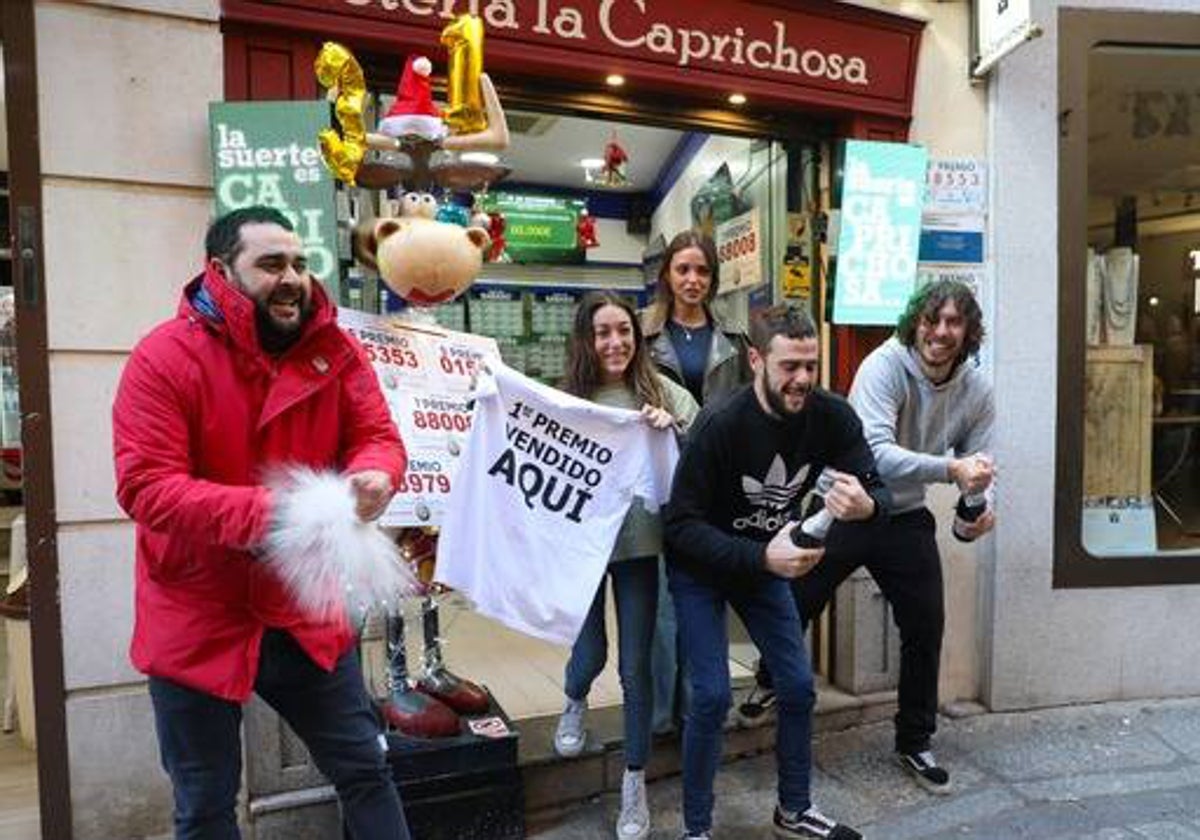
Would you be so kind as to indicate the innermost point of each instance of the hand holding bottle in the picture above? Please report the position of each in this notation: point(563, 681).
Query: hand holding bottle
point(785, 557)
point(974, 475)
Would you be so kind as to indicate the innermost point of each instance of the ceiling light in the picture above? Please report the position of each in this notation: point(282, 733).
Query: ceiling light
point(737, 99)
point(486, 158)
point(591, 163)
point(1154, 301)
point(615, 79)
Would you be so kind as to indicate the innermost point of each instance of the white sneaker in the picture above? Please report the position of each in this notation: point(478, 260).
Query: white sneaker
point(633, 823)
point(570, 736)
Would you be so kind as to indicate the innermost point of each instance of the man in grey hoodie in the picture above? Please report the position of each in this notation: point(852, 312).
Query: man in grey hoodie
point(927, 414)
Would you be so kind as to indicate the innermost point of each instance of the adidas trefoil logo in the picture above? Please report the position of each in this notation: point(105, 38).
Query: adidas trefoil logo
point(775, 490)
point(771, 496)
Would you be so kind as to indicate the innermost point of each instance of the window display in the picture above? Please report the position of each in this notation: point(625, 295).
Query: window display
point(1141, 453)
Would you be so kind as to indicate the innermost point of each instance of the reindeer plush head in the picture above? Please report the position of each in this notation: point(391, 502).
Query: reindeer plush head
point(421, 259)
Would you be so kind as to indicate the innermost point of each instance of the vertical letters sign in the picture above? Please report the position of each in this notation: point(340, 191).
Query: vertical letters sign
point(267, 153)
point(883, 190)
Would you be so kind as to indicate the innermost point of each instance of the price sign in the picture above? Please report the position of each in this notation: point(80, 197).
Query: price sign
point(956, 185)
point(739, 249)
point(426, 373)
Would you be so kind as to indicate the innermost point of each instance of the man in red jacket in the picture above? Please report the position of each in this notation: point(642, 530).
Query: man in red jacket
point(251, 375)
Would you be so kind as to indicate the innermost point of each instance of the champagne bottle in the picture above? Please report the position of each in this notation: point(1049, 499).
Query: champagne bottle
point(969, 508)
point(811, 532)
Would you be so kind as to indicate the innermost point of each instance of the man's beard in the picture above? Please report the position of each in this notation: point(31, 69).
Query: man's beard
point(778, 404)
point(274, 337)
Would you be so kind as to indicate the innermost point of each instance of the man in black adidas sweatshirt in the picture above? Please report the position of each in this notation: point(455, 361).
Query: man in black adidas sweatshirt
point(728, 528)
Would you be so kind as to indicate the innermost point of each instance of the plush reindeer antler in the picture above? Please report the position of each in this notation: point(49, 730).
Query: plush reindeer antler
point(494, 138)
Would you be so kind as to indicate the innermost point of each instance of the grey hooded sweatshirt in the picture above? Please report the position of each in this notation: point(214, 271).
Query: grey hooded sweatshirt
point(914, 427)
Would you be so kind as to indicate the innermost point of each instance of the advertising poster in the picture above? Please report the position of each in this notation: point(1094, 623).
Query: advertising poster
point(425, 373)
point(267, 153)
point(739, 252)
point(883, 191)
point(538, 229)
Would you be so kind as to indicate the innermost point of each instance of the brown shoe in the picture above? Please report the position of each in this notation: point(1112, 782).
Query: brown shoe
point(416, 714)
point(461, 695)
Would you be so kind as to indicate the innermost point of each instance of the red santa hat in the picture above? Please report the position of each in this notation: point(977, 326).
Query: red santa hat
point(413, 112)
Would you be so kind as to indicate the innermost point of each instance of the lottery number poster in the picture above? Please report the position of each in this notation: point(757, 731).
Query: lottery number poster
point(425, 372)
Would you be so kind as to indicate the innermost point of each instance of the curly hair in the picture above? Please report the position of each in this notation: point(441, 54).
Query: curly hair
point(926, 302)
point(583, 365)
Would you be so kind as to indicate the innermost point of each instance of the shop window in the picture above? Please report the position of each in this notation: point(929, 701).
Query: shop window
point(1129, 407)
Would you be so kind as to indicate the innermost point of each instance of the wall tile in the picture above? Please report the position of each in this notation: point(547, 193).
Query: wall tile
point(202, 10)
point(124, 96)
point(82, 388)
point(118, 788)
point(96, 584)
point(122, 256)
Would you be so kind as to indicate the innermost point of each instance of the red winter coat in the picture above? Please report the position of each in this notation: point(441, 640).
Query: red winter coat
point(201, 413)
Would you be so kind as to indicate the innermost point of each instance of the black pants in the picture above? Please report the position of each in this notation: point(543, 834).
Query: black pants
point(199, 740)
point(901, 555)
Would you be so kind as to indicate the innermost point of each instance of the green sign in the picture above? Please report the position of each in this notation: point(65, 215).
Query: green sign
point(883, 190)
point(538, 229)
point(267, 153)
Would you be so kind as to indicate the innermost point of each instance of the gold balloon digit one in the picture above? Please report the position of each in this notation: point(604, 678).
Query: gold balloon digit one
point(463, 39)
point(337, 68)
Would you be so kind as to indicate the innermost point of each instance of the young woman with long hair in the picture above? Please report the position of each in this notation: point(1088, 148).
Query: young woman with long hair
point(687, 341)
point(607, 362)
point(690, 345)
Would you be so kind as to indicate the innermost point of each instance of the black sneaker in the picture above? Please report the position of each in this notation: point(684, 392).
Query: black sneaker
point(925, 770)
point(812, 824)
point(758, 706)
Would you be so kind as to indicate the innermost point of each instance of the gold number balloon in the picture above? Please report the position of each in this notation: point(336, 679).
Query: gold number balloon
point(336, 67)
point(463, 39)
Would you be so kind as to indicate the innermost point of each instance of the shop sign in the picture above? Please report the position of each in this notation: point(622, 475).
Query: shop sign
point(739, 252)
point(267, 153)
point(538, 229)
point(1000, 27)
point(857, 52)
point(426, 374)
point(883, 188)
point(951, 244)
point(796, 279)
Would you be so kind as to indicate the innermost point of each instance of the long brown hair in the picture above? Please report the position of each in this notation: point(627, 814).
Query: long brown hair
point(664, 298)
point(583, 365)
point(927, 302)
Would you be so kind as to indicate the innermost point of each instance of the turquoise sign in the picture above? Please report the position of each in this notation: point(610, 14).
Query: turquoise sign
point(883, 190)
point(267, 153)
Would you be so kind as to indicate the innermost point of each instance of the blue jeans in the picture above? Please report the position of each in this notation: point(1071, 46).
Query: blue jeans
point(769, 613)
point(635, 590)
point(671, 690)
point(200, 746)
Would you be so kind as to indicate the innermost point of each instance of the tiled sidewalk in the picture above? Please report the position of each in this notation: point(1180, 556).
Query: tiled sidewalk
point(1119, 771)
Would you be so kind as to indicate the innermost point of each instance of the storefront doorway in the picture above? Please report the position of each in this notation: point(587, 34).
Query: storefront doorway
point(675, 178)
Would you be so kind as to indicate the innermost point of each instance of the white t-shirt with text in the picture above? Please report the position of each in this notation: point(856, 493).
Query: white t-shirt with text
point(545, 482)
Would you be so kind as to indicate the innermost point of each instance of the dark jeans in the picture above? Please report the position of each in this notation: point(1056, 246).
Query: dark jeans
point(635, 591)
point(769, 614)
point(199, 741)
point(902, 556)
